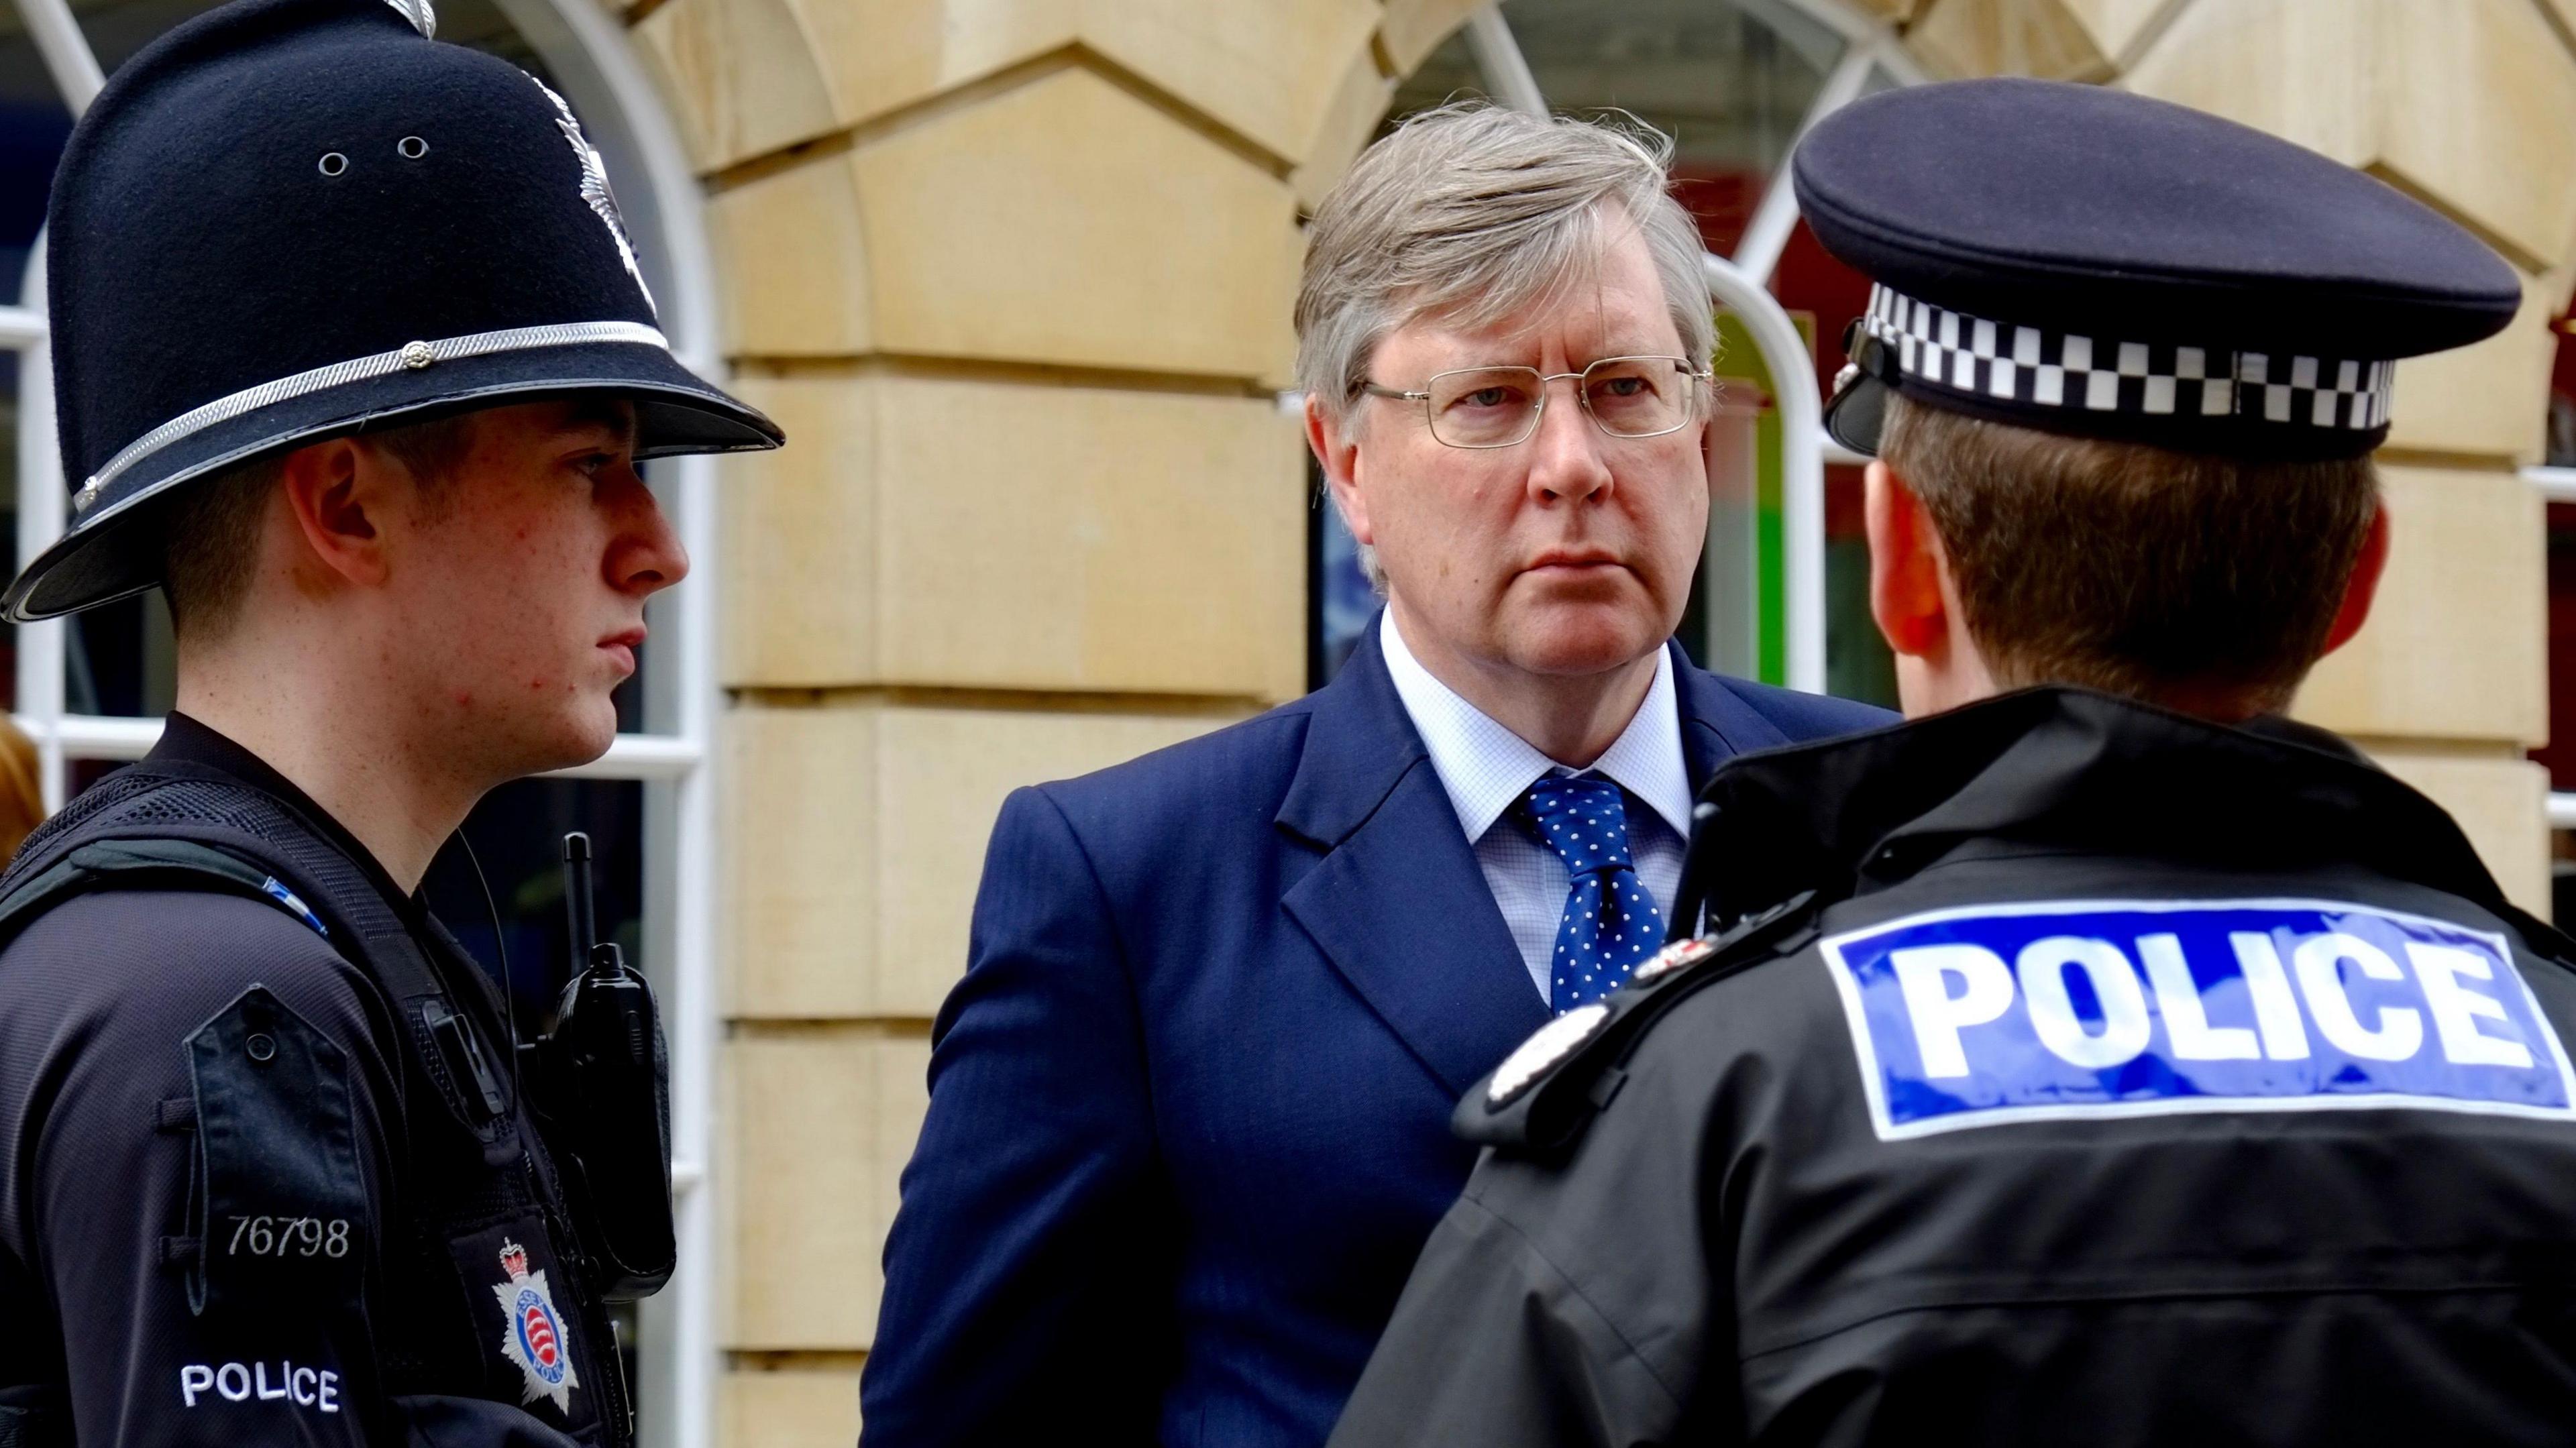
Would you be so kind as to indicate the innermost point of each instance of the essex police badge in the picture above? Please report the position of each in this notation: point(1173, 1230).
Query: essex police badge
point(534, 1337)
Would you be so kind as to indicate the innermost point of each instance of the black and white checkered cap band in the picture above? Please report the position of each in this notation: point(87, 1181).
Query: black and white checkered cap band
point(2041, 369)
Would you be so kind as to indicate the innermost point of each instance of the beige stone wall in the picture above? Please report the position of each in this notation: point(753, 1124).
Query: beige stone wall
point(1015, 276)
point(2469, 105)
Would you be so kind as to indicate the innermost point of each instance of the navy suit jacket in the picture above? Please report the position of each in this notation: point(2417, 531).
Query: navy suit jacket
point(1189, 1108)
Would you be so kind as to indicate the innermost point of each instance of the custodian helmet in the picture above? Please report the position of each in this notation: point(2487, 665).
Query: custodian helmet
point(293, 219)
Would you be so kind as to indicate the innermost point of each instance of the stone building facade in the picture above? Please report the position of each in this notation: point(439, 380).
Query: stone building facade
point(1015, 275)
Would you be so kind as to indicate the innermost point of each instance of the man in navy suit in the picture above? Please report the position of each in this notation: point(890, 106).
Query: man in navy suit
point(1189, 1114)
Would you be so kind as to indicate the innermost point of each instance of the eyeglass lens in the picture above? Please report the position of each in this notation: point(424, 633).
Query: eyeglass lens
point(1499, 406)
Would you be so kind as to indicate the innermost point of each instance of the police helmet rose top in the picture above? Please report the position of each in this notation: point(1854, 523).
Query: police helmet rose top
point(288, 220)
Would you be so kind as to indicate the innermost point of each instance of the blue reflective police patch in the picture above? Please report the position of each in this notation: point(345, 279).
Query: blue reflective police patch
point(1991, 1014)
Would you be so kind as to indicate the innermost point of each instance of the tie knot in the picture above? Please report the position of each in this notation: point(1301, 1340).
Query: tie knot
point(1583, 818)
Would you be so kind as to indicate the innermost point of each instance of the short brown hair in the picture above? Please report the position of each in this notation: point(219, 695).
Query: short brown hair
point(2130, 568)
point(210, 540)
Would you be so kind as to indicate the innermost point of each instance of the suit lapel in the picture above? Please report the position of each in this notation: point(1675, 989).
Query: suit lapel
point(1717, 724)
point(1398, 904)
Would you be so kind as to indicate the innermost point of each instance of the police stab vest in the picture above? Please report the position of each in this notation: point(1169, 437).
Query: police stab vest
point(486, 1290)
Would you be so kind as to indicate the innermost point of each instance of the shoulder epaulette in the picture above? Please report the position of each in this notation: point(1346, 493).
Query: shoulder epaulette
point(142, 864)
point(1546, 1091)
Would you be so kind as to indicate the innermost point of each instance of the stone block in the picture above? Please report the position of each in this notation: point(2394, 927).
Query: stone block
point(1263, 72)
point(1029, 536)
point(2470, 104)
point(2007, 37)
point(2119, 27)
point(1155, 542)
point(2564, 12)
point(791, 1408)
point(2456, 646)
point(791, 250)
point(2477, 113)
point(1412, 29)
point(2490, 400)
point(1352, 117)
point(857, 838)
point(2501, 804)
point(800, 538)
point(2300, 69)
point(1067, 221)
point(741, 76)
point(819, 1127)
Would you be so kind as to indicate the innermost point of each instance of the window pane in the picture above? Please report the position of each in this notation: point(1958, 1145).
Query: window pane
point(1727, 86)
point(2559, 755)
point(1447, 74)
point(2562, 877)
point(517, 833)
point(34, 124)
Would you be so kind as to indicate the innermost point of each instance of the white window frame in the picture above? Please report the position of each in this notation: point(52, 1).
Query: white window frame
point(1870, 50)
point(596, 68)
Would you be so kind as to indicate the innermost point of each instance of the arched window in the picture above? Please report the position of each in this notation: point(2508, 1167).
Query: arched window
point(1735, 83)
point(90, 690)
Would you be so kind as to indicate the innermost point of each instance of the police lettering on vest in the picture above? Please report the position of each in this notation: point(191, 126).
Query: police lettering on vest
point(1985, 1015)
point(305, 1387)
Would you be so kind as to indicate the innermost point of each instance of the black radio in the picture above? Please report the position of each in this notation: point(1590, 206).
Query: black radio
point(609, 1097)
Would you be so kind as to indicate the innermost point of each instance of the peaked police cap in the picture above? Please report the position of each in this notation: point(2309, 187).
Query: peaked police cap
point(288, 220)
point(2089, 262)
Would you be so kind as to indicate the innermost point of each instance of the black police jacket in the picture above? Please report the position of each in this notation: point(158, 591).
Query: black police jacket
point(2078, 1073)
point(262, 1178)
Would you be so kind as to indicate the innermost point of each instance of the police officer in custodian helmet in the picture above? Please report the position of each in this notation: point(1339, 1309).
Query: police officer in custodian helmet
point(354, 360)
point(2101, 1065)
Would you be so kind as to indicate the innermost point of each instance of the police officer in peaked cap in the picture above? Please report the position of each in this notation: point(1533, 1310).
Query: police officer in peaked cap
point(354, 360)
point(2097, 1058)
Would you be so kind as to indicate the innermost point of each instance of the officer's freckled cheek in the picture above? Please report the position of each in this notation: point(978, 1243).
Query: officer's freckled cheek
point(525, 568)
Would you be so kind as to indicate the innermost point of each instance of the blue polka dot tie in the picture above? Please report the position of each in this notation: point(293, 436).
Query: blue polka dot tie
point(1610, 922)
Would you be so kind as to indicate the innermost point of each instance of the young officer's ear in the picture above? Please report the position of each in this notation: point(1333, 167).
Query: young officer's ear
point(1904, 566)
point(331, 491)
point(2364, 586)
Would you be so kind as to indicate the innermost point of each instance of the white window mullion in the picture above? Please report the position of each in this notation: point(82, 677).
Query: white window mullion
point(41, 509)
point(1498, 57)
point(68, 58)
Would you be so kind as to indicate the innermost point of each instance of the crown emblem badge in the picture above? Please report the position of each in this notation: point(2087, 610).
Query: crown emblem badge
point(594, 186)
point(532, 1336)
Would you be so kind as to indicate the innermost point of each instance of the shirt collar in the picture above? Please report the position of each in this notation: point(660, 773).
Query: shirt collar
point(1484, 767)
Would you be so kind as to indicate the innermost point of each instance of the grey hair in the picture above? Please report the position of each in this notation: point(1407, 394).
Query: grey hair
point(1471, 213)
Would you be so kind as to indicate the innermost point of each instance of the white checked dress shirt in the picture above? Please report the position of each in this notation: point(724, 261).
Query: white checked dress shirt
point(1485, 767)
